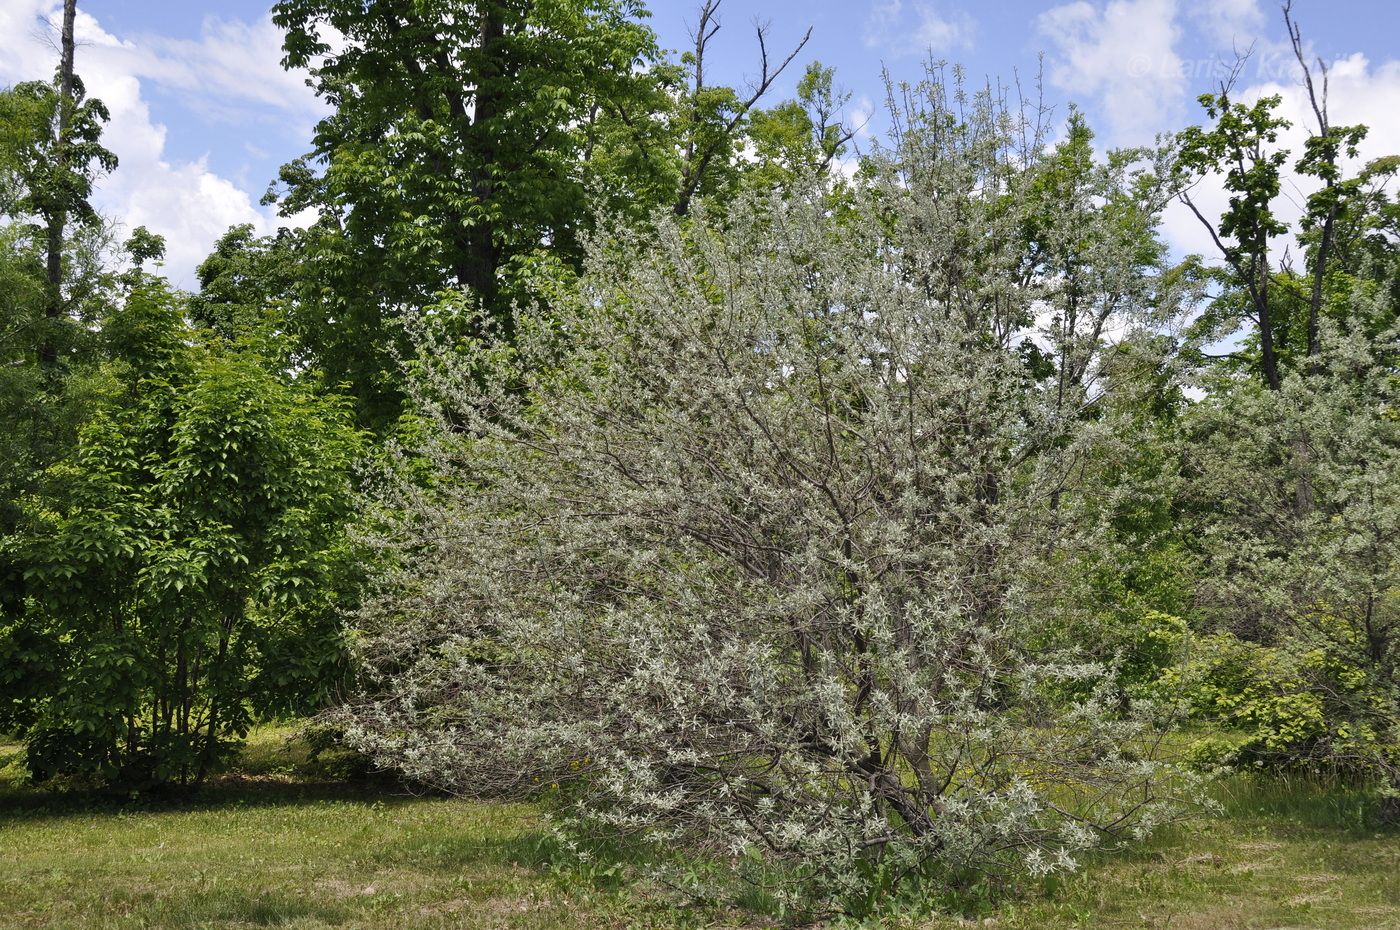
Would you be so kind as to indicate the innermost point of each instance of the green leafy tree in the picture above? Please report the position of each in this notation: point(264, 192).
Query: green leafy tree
point(711, 121)
point(52, 153)
point(1286, 455)
point(458, 149)
point(247, 293)
point(55, 278)
point(182, 566)
point(801, 138)
point(1285, 307)
point(1238, 145)
point(472, 145)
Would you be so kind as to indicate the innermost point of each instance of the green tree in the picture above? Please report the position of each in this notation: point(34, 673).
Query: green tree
point(472, 144)
point(457, 150)
point(800, 138)
point(247, 288)
point(55, 280)
point(1288, 452)
point(1285, 307)
point(51, 153)
point(1239, 147)
point(182, 565)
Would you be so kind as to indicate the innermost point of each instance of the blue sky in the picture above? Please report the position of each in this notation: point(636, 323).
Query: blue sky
point(203, 115)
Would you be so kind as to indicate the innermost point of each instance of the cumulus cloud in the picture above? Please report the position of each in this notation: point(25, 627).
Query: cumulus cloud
point(232, 64)
point(861, 115)
point(915, 27)
point(1120, 56)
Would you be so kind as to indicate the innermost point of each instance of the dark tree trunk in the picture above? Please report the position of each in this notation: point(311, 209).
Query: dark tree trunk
point(216, 695)
point(1266, 328)
point(478, 266)
point(1390, 805)
point(58, 218)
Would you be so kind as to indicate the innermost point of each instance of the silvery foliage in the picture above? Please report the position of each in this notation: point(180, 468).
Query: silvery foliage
point(740, 544)
point(1302, 528)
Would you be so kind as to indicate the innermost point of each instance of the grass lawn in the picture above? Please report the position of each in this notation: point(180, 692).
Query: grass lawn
point(272, 847)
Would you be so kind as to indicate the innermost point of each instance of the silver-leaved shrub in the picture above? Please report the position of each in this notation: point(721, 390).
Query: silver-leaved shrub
point(739, 549)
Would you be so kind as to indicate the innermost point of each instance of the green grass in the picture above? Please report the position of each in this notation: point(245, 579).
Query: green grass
point(267, 847)
point(1282, 854)
point(276, 846)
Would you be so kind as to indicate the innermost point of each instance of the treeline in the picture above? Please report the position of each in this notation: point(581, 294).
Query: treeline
point(623, 436)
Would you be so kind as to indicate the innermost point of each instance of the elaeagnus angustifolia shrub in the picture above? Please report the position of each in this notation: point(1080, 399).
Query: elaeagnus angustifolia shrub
point(739, 550)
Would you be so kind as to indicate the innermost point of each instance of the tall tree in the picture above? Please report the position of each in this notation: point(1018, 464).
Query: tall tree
point(55, 279)
point(1286, 307)
point(456, 152)
point(712, 115)
point(1241, 147)
point(469, 146)
point(53, 155)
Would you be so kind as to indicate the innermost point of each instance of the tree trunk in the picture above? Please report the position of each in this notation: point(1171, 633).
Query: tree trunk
point(1324, 253)
point(216, 684)
point(1302, 449)
point(480, 262)
point(1390, 804)
point(1266, 328)
point(58, 218)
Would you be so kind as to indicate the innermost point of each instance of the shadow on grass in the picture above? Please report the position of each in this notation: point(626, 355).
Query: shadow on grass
point(26, 802)
point(230, 906)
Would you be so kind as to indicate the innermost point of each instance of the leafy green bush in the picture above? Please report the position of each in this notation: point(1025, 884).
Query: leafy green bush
point(1283, 707)
point(183, 567)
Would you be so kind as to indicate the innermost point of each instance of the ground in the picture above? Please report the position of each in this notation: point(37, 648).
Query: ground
point(275, 846)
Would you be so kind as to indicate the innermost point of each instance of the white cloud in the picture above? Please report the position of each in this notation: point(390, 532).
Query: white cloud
point(231, 59)
point(1121, 55)
point(232, 65)
point(1358, 92)
point(185, 202)
point(915, 27)
point(1229, 23)
point(860, 118)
